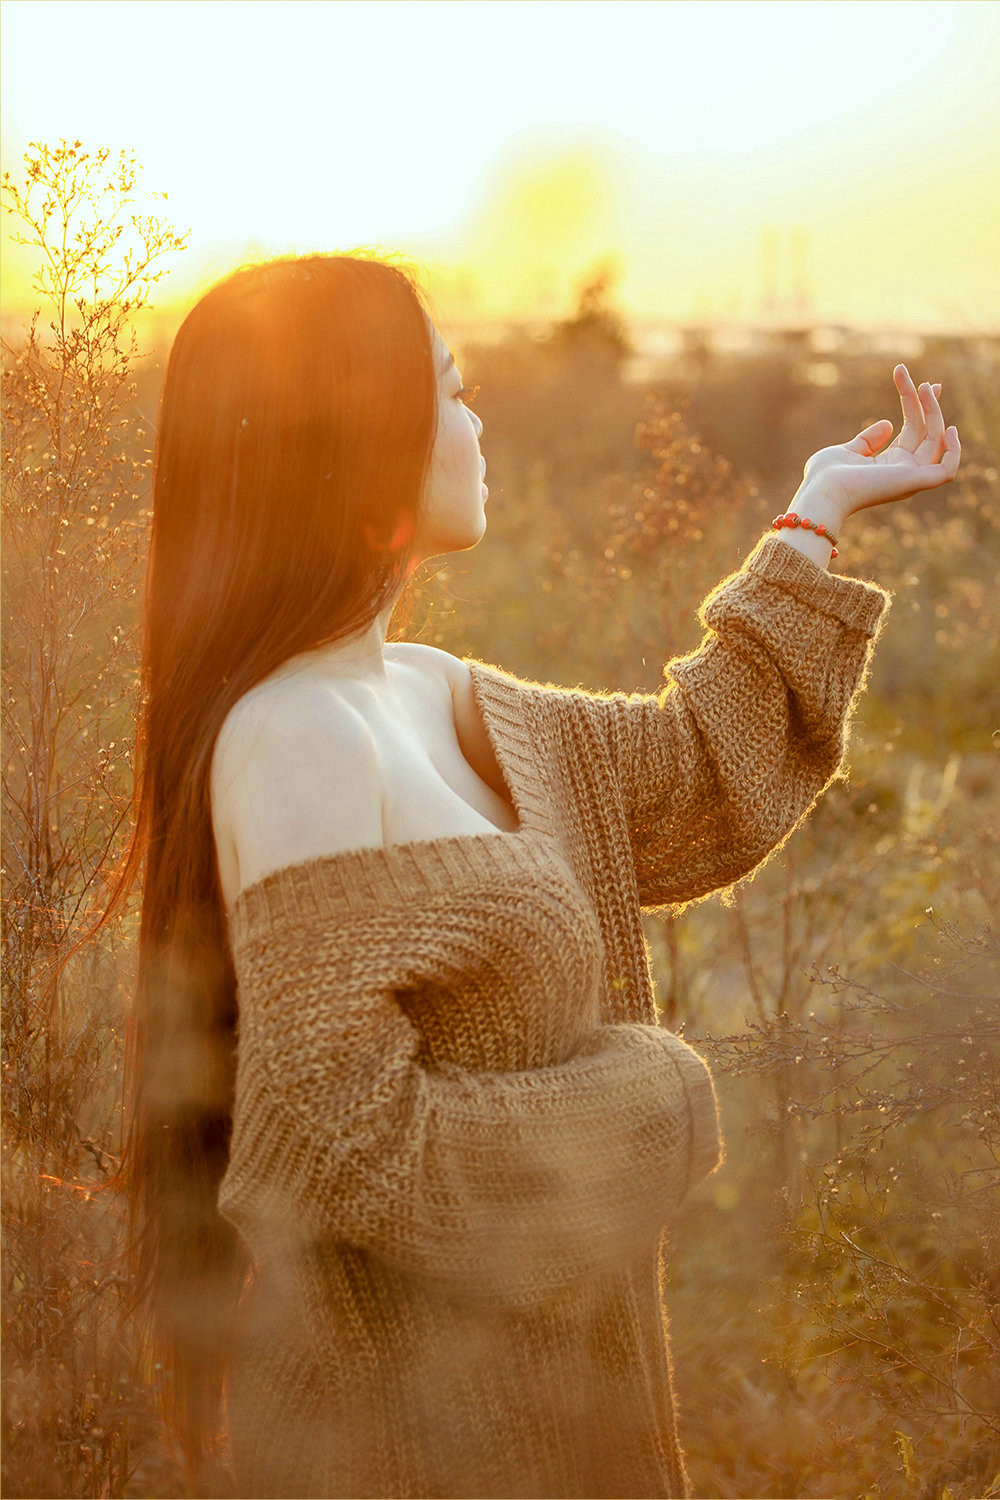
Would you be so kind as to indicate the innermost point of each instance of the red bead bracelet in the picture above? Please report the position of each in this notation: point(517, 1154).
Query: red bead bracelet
point(791, 519)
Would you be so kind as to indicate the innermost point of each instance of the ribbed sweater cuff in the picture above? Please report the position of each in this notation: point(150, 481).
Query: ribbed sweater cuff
point(856, 602)
point(705, 1140)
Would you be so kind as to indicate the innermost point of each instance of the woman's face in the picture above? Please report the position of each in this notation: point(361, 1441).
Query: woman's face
point(453, 514)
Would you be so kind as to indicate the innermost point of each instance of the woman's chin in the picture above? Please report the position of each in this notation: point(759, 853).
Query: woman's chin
point(453, 541)
point(472, 539)
point(474, 531)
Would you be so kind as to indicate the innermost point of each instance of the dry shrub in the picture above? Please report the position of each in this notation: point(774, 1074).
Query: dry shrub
point(76, 1410)
point(886, 1298)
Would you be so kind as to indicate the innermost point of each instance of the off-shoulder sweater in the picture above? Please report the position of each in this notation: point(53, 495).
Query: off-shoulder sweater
point(459, 1131)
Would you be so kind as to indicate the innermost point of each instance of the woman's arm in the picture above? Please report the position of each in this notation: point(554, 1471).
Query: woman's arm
point(714, 773)
point(503, 1188)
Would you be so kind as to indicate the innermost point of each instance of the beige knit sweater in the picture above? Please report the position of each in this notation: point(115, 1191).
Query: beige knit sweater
point(459, 1131)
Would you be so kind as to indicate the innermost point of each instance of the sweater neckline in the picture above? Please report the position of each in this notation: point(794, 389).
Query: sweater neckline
point(502, 711)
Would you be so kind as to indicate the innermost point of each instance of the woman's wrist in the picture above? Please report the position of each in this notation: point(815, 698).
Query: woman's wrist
point(810, 504)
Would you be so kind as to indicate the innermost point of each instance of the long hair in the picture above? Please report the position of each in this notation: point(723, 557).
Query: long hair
point(296, 426)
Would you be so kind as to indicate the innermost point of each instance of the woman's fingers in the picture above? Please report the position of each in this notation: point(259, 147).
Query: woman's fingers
point(867, 472)
point(930, 449)
point(928, 476)
point(914, 422)
point(952, 455)
point(871, 439)
point(896, 481)
point(923, 427)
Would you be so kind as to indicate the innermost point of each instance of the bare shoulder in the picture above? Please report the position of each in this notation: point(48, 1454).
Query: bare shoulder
point(294, 775)
point(452, 674)
point(432, 662)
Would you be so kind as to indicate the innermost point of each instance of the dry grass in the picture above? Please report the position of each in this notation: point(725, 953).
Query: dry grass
point(835, 1287)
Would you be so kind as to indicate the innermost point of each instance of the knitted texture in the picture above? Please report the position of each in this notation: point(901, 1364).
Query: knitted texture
point(458, 1131)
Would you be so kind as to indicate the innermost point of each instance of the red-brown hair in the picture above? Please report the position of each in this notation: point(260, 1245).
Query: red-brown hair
point(296, 426)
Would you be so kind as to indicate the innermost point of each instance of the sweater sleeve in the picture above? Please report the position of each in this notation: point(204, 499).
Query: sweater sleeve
point(503, 1188)
point(715, 771)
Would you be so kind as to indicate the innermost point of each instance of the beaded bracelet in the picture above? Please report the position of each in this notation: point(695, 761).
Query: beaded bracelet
point(791, 519)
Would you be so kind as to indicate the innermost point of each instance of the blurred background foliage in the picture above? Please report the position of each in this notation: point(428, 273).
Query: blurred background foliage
point(835, 1287)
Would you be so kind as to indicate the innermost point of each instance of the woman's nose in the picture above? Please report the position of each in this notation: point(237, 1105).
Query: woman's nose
point(477, 422)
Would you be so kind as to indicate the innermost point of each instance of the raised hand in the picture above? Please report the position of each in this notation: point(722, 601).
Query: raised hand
point(869, 470)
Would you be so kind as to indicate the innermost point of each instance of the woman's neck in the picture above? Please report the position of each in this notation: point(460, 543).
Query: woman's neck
point(361, 654)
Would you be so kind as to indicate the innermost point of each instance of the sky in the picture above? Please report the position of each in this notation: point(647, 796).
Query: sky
point(727, 160)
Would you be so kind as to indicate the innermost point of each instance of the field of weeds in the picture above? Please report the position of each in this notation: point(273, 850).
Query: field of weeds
point(835, 1287)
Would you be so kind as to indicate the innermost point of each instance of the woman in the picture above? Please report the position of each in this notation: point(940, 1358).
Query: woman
point(406, 1133)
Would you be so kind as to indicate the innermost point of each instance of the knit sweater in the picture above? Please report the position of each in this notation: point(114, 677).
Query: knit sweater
point(459, 1132)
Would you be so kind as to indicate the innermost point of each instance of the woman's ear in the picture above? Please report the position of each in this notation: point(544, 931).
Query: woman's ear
point(402, 535)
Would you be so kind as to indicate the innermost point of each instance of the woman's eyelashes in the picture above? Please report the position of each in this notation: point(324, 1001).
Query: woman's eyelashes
point(467, 393)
